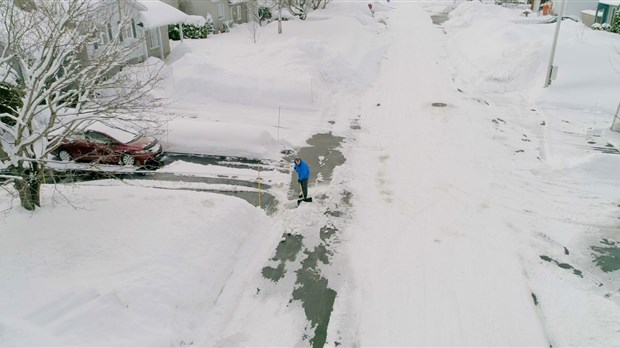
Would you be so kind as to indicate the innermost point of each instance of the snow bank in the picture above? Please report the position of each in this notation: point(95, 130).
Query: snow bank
point(493, 53)
point(257, 99)
point(496, 50)
point(94, 272)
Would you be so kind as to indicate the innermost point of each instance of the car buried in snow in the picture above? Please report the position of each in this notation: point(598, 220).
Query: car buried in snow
point(108, 145)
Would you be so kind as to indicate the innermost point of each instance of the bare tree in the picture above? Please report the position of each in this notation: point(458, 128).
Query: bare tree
point(252, 9)
point(316, 4)
point(65, 63)
point(301, 8)
point(280, 16)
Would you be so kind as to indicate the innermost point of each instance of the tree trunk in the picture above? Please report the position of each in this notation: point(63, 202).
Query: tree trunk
point(29, 189)
point(279, 16)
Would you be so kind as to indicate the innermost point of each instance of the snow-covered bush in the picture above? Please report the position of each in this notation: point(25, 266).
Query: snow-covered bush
point(227, 25)
point(195, 27)
point(596, 26)
point(605, 26)
point(264, 14)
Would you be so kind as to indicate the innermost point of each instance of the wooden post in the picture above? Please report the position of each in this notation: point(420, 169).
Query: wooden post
point(259, 193)
point(616, 116)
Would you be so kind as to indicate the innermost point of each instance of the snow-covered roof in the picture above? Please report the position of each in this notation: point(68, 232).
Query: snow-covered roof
point(610, 2)
point(138, 5)
point(159, 14)
point(592, 12)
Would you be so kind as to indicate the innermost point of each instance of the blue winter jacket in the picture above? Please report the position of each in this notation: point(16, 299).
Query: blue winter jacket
point(302, 169)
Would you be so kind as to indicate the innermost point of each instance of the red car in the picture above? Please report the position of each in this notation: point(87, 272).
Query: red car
point(111, 146)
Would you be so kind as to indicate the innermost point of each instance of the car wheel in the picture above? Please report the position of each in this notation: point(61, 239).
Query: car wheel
point(128, 160)
point(64, 155)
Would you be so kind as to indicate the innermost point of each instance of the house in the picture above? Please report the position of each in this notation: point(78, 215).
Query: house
point(120, 19)
point(606, 10)
point(141, 25)
point(588, 17)
point(223, 12)
point(574, 8)
point(155, 20)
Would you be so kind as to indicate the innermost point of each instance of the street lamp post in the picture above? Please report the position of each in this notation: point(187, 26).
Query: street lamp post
point(552, 70)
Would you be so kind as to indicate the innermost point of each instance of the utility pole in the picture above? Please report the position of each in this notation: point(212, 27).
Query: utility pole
point(553, 70)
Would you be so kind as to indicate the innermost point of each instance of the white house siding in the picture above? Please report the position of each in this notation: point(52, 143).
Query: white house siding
point(157, 41)
point(155, 18)
point(574, 7)
point(239, 13)
point(109, 16)
point(173, 3)
point(588, 16)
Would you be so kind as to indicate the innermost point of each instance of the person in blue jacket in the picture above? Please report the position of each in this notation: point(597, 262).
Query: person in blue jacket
point(303, 174)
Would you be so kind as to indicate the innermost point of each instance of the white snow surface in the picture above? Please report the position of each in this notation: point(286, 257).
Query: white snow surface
point(473, 224)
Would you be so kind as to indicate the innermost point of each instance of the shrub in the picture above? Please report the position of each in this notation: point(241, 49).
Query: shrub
point(615, 24)
point(227, 25)
point(195, 27)
point(264, 14)
point(605, 26)
point(596, 26)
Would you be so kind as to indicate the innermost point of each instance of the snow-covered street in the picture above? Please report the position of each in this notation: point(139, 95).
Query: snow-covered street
point(435, 239)
point(455, 201)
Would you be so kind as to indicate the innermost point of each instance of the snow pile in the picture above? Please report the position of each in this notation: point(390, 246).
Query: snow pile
point(496, 50)
point(260, 99)
point(145, 277)
point(493, 53)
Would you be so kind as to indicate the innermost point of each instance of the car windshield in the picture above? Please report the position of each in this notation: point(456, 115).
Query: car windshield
point(99, 138)
point(116, 133)
point(76, 136)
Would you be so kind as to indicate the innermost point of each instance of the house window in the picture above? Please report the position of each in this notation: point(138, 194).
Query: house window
point(104, 35)
point(220, 10)
point(238, 13)
point(126, 32)
point(154, 38)
point(103, 38)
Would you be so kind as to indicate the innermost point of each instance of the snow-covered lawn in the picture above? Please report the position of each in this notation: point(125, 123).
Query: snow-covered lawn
point(480, 223)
